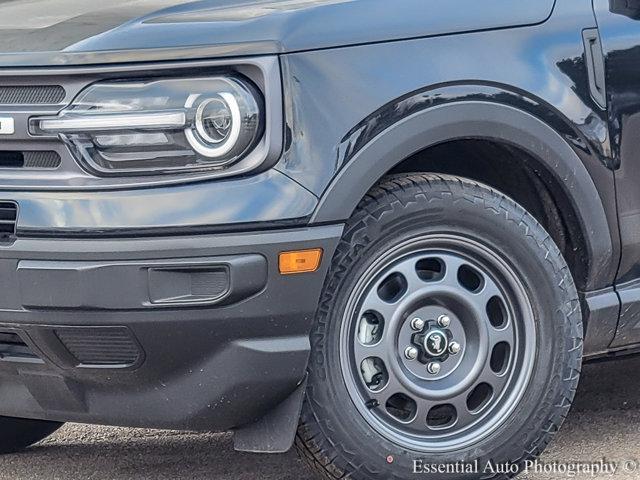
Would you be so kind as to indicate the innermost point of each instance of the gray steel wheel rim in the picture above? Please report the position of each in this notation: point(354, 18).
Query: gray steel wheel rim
point(473, 365)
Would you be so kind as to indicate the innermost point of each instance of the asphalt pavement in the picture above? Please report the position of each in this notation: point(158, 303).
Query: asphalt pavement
point(603, 425)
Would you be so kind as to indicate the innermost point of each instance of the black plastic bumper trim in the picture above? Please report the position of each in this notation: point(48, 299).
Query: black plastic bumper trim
point(210, 367)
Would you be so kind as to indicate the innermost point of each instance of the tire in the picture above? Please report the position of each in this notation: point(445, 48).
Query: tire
point(440, 228)
point(18, 433)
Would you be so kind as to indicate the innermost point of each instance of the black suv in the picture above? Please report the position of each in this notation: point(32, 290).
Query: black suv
point(387, 232)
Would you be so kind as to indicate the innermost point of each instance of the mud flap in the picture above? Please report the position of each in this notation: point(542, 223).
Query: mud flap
point(276, 431)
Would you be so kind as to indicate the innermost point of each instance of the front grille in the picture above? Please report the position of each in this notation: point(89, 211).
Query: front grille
point(31, 95)
point(8, 218)
point(34, 160)
point(97, 347)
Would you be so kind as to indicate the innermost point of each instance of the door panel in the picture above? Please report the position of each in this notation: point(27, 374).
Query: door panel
point(619, 26)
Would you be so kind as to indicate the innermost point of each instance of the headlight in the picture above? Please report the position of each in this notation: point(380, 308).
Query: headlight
point(159, 126)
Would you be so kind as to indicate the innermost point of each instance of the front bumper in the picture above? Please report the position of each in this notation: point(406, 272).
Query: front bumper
point(198, 332)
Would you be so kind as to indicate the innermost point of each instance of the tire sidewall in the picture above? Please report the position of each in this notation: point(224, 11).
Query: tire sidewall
point(522, 243)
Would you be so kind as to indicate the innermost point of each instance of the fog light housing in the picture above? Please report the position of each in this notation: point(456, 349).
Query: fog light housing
point(160, 126)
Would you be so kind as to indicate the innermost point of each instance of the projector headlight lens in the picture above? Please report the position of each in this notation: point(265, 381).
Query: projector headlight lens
point(160, 126)
point(215, 119)
point(217, 126)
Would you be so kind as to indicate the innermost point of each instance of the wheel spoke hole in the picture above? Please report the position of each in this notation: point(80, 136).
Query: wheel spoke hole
point(401, 407)
point(442, 416)
point(370, 328)
point(470, 278)
point(497, 312)
point(430, 269)
point(392, 288)
point(500, 357)
point(374, 373)
point(479, 397)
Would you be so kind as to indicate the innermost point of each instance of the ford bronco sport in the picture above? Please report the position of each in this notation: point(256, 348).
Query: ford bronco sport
point(387, 232)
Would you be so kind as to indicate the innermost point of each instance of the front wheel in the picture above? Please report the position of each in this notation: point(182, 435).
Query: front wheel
point(448, 338)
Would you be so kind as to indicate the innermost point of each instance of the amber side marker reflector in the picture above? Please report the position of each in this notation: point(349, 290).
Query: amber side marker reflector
point(300, 261)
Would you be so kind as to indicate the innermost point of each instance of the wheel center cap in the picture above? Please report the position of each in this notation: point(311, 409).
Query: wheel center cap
point(436, 343)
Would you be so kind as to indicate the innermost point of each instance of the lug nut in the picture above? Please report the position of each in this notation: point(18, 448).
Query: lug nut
point(417, 324)
point(411, 353)
point(444, 321)
point(454, 348)
point(433, 368)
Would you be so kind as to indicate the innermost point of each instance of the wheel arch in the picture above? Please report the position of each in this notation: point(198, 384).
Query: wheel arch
point(577, 196)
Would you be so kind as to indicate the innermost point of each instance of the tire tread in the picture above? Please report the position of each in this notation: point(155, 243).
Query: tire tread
point(314, 441)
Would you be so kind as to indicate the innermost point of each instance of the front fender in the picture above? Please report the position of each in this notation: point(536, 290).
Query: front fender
point(486, 120)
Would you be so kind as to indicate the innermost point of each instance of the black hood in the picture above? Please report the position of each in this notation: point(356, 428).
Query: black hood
point(75, 32)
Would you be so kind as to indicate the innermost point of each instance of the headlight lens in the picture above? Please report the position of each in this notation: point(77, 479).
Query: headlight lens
point(160, 126)
point(217, 126)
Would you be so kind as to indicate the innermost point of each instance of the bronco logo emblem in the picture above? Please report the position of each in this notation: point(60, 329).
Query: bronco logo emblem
point(436, 343)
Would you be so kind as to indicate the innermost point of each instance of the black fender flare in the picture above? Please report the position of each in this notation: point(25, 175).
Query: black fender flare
point(487, 120)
